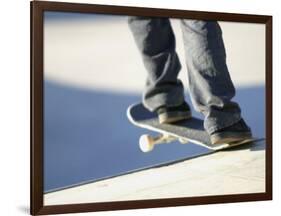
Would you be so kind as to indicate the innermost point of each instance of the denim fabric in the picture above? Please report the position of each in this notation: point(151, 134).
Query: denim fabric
point(210, 85)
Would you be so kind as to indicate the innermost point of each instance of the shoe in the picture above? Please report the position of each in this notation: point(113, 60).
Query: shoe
point(234, 133)
point(174, 114)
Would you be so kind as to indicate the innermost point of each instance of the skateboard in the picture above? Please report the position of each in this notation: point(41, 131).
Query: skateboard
point(185, 131)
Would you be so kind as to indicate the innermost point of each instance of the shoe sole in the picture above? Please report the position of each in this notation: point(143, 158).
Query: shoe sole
point(173, 117)
point(230, 137)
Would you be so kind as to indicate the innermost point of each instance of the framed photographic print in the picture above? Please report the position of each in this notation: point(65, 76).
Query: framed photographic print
point(141, 107)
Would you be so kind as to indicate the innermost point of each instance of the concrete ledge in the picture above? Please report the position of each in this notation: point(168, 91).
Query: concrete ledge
point(237, 171)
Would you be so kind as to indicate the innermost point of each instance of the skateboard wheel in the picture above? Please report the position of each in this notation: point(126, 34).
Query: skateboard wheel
point(146, 143)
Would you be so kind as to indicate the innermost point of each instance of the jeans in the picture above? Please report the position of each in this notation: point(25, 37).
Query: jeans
point(210, 85)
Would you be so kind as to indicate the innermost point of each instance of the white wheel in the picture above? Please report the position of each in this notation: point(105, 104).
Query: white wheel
point(146, 143)
point(183, 141)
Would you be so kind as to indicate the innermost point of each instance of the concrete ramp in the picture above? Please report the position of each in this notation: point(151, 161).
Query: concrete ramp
point(239, 170)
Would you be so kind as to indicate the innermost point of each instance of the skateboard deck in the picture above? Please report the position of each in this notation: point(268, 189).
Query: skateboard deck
point(185, 131)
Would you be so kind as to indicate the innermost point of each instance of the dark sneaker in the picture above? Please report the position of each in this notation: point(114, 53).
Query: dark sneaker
point(234, 133)
point(174, 114)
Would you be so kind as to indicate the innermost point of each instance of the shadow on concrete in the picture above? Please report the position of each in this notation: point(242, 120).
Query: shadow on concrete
point(87, 135)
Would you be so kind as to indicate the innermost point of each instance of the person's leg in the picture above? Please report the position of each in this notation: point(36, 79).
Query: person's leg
point(210, 84)
point(155, 40)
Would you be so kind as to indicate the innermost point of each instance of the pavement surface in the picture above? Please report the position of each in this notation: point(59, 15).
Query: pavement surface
point(237, 171)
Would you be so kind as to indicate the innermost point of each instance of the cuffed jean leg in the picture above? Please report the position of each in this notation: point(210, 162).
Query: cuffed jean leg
point(210, 84)
point(156, 41)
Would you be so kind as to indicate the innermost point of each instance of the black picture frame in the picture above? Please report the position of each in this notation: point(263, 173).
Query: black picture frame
point(36, 193)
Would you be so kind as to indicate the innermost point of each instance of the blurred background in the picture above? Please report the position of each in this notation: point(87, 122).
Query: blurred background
point(93, 72)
